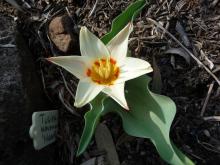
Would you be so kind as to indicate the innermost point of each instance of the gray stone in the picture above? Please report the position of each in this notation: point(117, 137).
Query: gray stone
point(20, 95)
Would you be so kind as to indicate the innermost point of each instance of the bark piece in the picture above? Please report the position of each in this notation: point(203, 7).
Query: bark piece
point(61, 34)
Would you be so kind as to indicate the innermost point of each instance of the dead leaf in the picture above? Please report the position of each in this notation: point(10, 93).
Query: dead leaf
point(105, 143)
point(157, 82)
point(179, 51)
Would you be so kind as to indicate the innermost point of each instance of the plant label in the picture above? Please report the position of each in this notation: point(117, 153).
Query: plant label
point(44, 128)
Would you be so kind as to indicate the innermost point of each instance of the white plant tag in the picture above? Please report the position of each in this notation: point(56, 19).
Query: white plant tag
point(44, 128)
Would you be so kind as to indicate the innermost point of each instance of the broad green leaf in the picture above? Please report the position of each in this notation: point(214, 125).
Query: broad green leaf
point(150, 116)
point(123, 19)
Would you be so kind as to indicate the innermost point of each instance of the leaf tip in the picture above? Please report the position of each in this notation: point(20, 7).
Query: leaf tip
point(78, 153)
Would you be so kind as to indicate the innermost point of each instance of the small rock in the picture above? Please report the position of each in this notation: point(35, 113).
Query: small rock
point(61, 34)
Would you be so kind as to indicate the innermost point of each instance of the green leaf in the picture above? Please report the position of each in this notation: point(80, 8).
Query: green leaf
point(91, 120)
point(123, 19)
point(150, 116)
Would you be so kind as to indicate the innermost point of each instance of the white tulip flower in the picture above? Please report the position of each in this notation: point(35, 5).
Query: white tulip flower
point(102, 68)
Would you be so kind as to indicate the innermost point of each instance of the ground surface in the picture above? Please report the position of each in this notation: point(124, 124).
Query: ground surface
point(195, 23)
point(20, 94)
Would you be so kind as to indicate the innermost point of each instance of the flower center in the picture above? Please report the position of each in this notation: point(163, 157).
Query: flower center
point(104, 71)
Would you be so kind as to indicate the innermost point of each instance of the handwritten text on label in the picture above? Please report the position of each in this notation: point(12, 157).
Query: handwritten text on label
point(44, 128)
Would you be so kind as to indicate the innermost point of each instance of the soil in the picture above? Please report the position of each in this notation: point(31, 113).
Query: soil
point(195, 24)
point(21, 94)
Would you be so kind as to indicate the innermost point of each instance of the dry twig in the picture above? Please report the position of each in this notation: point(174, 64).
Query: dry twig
point(93, 9)
point(7, 46)
point(212, 118)
point(207, 99)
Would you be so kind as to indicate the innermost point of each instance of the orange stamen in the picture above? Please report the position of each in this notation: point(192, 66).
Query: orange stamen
point(112, 61)
point(97, 63)
point(117, 72)
point(103, 61)
point(88, 73)
point(98, 81)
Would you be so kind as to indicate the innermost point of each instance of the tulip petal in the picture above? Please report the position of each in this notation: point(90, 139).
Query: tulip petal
point(117, 93)
point(86, 92)
point(76, 65)
point(132, 68)
point(118, 46)
point(92, 46)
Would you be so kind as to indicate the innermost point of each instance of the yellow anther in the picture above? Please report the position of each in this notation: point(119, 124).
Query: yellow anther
point(104, 71)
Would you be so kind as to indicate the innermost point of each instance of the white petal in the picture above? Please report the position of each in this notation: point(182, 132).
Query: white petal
point(92, 46)
point(77, 65)
point(117, 93)
point(86, 92)
point(118, 46)
point(132, 68)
